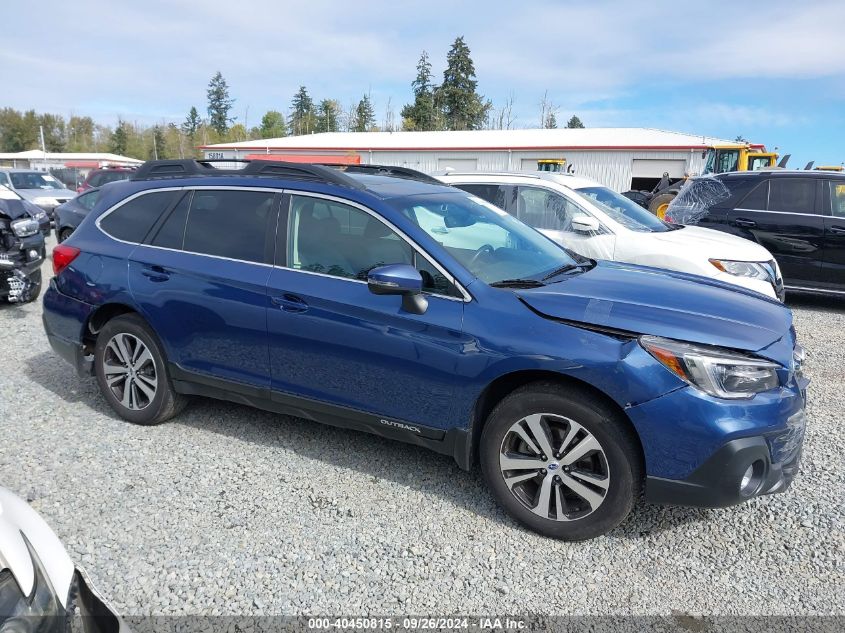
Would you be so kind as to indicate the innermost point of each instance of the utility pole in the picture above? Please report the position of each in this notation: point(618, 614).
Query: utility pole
point(43, 146)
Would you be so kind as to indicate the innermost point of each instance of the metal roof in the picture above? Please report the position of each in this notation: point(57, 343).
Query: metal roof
point(37, 154)
point(485, 140)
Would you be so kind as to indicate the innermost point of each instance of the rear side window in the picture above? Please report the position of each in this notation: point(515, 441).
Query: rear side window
point(837, 198)
point(88, 200)
point(792, 195)
point(172, 232)
point(231, 224)
point(545, 209)
point(132, 221)
point(758, 198)
point(502, 196)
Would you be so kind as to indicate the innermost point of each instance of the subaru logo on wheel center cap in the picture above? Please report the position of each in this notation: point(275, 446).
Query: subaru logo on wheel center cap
point(553, 466)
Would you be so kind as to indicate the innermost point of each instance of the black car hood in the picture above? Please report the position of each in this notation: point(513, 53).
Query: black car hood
point(643, 300)
point(14, 209)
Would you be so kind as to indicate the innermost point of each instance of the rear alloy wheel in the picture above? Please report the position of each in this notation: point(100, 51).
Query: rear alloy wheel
point(132, 372)
point(561, 461)
point(64, 234)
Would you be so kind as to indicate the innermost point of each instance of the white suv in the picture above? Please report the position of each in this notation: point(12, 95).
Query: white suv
point(594, 221)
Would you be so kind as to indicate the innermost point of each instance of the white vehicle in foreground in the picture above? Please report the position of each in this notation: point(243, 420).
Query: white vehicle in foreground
point(596, 222)
point(40, 588)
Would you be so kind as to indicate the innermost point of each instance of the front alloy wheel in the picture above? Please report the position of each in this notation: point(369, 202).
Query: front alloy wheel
point(561, 459)
point(554, 467)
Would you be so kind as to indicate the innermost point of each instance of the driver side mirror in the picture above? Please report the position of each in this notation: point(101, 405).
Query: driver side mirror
point(399, 279)
point(585, 224)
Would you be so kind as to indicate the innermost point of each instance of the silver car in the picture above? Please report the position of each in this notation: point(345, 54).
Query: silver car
point(39, 187)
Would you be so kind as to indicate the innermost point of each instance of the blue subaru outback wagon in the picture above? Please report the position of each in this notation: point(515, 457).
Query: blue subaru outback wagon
point(380, 301)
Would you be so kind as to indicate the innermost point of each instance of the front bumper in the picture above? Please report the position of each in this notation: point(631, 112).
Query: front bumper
point(718, 481)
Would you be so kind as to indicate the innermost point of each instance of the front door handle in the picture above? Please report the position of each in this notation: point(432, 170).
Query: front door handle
point(290, 303)
point(839, 230)
point(745, 223)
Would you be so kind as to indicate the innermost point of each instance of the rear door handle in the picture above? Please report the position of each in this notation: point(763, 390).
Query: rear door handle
point(290, 303)
point(745, 223)
point(839, 230)
point(156, 273)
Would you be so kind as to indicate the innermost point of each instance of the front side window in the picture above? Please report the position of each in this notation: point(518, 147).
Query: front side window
point(132, 221)
point(34, 180)
point(837, 198)
point(338, 239)
point(792, 195)
point(727, 160)
point(757, 162)
point(490, 243)
point(97, 180)
point(544, 209)
point(229, 223)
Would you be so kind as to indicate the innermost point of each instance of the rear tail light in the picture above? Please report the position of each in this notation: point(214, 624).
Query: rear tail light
point(63, 255)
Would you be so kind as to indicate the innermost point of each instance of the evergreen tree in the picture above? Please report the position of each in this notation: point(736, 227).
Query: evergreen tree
point(551, 121)
point(119, 141)
point(302, 117)
point(421, 114)
point(219, 104)
point(328, 116)
point(574, 122)
point(192, 124)
point(463, 108)
point(272, 125)
point(365, 115)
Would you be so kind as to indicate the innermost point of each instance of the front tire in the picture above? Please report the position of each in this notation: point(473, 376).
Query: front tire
point(659, 205)
point(561, 462)
point(132, 372)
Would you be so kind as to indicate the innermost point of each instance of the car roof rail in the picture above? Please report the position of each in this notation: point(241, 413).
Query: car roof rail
point(191, 167)
point(385, 170)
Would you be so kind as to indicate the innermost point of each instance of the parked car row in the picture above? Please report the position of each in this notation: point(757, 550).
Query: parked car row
point(799, 216)
point(378, 300)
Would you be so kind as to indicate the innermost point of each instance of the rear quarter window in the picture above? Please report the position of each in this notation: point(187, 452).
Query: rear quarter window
point(132, 220)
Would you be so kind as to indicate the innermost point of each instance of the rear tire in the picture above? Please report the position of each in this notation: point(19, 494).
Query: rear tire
point(131, 370)
point(591, 479)
point(64, 234)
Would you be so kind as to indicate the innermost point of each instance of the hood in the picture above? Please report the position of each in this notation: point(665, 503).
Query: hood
point(645, 300)
point(14, 209)
point(715, 244)
point(32, 194)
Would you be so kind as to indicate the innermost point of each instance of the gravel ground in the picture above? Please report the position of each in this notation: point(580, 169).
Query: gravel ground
point(229, 510)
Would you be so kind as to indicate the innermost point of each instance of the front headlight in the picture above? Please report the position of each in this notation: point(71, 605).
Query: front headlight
point(715, 371)
point(39, 216)
point(40, 611)
point(753, 270)
point(24, 227)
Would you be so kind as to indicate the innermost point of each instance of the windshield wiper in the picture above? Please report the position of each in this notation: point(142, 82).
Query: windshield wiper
point(517, 283)
point(567, 268)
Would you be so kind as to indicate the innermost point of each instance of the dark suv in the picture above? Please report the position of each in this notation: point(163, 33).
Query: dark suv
point(332, 296)
point(799, 216)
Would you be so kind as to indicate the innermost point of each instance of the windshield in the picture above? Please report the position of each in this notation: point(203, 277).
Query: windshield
point(34, 180)
point(493, 245)
point(624, 210)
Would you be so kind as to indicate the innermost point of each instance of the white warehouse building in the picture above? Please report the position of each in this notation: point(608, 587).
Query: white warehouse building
point(620, 158)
